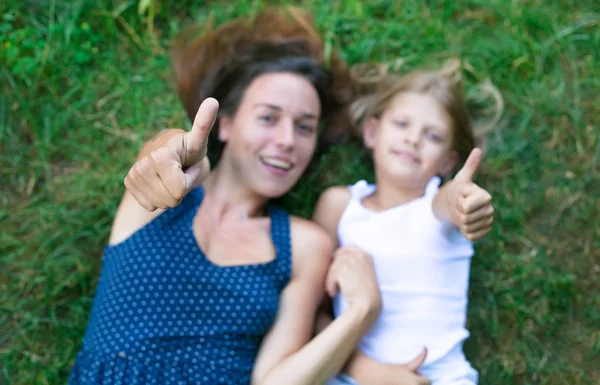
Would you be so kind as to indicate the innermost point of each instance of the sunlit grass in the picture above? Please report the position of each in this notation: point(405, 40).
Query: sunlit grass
point(84, 84)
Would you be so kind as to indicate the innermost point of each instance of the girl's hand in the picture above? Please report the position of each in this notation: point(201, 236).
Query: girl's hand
point(175, 164)
point(353, 274)
point(470, 206)
point(408, 374)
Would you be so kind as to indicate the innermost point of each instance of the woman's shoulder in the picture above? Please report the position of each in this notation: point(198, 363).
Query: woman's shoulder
point(129, 218)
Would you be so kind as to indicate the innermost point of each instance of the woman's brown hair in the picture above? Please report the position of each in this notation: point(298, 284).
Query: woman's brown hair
point(222, 62)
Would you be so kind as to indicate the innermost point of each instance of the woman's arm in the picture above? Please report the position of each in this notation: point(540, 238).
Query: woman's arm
point(288, 355)
point(167, 167)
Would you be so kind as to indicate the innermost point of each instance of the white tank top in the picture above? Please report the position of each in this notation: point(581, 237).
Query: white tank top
point(422, 267)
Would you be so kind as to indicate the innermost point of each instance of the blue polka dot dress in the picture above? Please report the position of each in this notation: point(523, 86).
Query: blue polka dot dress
point(164, 314)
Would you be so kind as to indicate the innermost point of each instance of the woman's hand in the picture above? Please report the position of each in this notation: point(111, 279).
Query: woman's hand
point(174, 163)
point(353, 274)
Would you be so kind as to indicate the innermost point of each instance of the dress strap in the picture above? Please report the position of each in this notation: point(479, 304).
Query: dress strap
point(281, 237)
point(432, 187)
point(185, 210)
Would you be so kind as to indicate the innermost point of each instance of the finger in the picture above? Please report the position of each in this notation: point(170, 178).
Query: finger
point(421, 380)
point(354, 255)
point(477, 226)
point(161, 191)
point(416, 363)
point(137, 195)
point(472, 203)
point(331, 281)
point(153, 189)
point(478, 234)
point(170, 174)
point(194, 173)
point(483, 214)
point(196, 140)
point(468, 171)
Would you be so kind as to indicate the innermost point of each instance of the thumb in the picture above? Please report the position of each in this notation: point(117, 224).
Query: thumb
point(195, 141)
point(468, 171)
point(416, 363)
point(331, 285)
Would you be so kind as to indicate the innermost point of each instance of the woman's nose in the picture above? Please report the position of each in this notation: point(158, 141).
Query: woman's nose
point(285, 134)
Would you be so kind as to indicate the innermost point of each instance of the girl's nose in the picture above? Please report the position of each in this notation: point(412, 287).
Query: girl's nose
point(413, 136)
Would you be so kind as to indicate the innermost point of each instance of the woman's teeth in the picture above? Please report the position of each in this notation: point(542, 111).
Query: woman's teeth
point(277, 163)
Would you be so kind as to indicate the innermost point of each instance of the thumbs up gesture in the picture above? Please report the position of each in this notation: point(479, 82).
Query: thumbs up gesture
point(173, 163)
point(469, 205)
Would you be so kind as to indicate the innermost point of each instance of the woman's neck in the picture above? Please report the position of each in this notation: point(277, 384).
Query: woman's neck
point(224, 190)
point(390, 193)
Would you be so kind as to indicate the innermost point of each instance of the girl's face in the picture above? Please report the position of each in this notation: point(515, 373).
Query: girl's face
point(412, 141)
point(272, 137)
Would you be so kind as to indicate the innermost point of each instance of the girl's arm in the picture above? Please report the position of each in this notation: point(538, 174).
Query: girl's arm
point(365, 370)
point(329, 210)
point(288, 355)
point(327, 214)
point(464, 204)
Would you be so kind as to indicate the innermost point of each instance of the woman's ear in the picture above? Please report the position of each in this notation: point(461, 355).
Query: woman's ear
point(225, 123)
point(448, 166)
point(369, 129)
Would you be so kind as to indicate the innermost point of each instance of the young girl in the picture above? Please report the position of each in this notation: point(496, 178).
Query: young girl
point(418, 234)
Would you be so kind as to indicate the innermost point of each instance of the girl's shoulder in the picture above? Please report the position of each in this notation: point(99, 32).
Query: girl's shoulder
point(311, 246)
point(335, 199)
point(329, 209)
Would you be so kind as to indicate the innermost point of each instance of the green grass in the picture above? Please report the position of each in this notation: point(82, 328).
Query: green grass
point(83, 83)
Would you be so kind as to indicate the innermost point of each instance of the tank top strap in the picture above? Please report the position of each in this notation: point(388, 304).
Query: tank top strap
point(281, 238)
point(433, 186)
point(360, 190)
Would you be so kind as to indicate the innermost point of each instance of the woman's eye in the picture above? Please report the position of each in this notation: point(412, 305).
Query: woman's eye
point(306, 128)
point(267, 118)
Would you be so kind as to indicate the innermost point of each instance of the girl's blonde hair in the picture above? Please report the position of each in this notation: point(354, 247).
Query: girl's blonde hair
point(444, 85)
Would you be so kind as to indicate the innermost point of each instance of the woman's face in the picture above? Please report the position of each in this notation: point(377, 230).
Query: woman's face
point(272, 137)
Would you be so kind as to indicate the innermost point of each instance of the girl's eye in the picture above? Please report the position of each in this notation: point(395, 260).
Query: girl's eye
point(401, 123)
point(434, 137)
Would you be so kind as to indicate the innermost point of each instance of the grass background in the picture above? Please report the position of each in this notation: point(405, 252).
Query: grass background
point(84, 82)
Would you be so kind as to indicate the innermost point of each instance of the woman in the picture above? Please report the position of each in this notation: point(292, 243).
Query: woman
point(205, 281)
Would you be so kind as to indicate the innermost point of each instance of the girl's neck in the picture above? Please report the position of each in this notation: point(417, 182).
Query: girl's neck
point(390, 194)
point(224, 190)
